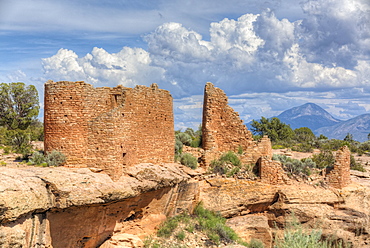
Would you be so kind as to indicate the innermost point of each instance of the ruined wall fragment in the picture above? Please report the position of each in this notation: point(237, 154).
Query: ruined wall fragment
point(222, 128)
point(340, 177)
point(271, 171)
point(223, 131)
point(108, 128)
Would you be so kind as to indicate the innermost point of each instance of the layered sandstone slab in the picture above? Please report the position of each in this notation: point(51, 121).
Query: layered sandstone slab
point(61, 207)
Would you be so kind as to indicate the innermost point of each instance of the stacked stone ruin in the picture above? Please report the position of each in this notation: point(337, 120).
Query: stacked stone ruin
point(113, 128)
point(108, 128)
point(223, 130)
point(340, 176)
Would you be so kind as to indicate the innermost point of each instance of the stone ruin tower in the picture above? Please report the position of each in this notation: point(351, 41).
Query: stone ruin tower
point(108, 128)
point(340, 176)
point(223, 131)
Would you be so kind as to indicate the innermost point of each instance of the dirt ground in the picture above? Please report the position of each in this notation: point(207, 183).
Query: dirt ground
point(12, 159)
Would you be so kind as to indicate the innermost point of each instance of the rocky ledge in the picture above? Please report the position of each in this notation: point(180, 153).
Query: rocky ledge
point(64, 207)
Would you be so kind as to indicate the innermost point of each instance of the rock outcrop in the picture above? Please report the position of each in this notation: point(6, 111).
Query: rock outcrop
point(64, 207)
point(340, 213)
point(59, 207)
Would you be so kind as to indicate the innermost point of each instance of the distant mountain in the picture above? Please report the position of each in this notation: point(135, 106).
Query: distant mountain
point(359, 127)
point(308, 115)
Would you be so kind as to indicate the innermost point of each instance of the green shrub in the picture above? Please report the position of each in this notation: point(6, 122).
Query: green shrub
point(355, 165)
point(178, 147)
point(255, 243)
point(189, 160)
point(7, 150)
point(229, 164)
point(230, 157)
point(196, 142)
point(204, 221)
point(36, 130)
point(190, 228)
point(2, 163)
point(303, 147)
point(55, 158)
point(20, 141)
point(184, 138)
point(323, 159)
point(364, 147)
point(180, 235)
point(218, 167)
point(240, 150)
point(278, 146)
point(214, 226)
point(168, 227)
point(232, 172)
point(295, 236)
point(295, 166)
point(37, 158)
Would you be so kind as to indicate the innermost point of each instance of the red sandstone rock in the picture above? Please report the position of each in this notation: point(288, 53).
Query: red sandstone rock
point(59, 207)
point(250, 227)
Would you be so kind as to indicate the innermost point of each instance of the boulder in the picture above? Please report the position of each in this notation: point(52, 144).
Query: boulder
point(250, 227)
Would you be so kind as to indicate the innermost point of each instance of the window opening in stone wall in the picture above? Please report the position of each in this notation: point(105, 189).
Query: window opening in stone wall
point(70, 98)
point(61, 102)
point(65, 115)
point(123, 114)
point(123, 154)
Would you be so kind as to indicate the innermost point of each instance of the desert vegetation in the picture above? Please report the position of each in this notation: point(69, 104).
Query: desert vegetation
point(205, 228)
point(202, 227)
point(304, 140)
point(19, 126)
point(187, 138)
point(297, 236)
point(19, 108)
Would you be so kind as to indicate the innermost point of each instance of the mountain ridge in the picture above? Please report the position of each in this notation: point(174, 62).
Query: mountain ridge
point(320, 121)
point(308, 115)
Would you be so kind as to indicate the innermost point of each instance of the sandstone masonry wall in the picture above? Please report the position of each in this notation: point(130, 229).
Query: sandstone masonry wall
point(271, 171)
point(222, 128)
point(340, 176)
point(223, 131)
point(108, 128)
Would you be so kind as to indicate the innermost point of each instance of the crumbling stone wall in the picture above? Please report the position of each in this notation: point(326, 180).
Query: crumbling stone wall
point(108, 128)
point(271, 171)
point(340, 176)
point(223, 130)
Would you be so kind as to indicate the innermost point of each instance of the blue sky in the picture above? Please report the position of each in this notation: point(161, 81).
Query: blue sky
point(268, 56)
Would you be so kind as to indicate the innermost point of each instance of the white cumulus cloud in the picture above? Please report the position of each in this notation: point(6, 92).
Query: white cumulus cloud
point(326, 51)
point(129, 67)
